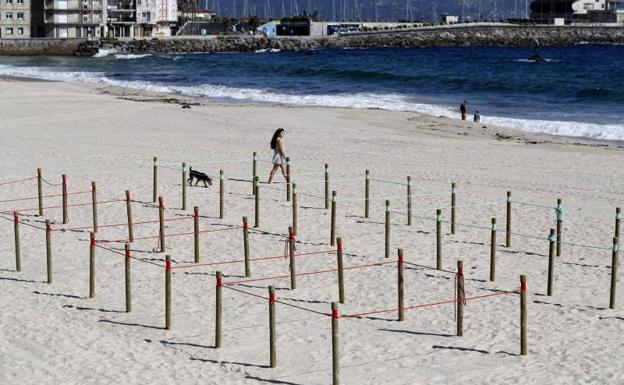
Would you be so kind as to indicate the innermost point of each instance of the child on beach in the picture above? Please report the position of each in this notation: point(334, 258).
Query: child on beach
point(477, 117)
point(279, 153)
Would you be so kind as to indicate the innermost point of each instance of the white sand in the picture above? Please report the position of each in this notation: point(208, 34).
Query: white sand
point(53, 334)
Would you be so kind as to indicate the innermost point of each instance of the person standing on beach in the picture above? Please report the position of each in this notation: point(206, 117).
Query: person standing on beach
point(477, 116)
point(463, 108)
point(279, 153)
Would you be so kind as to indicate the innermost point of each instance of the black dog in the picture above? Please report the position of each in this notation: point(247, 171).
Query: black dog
point(200, 177)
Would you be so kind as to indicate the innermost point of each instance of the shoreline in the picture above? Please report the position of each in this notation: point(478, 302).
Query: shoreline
point(100, 134)
point(488, 34)
point(504, 133)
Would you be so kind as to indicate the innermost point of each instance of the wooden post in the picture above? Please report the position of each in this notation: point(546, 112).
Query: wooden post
point(552, 238)
point(246, 247)
point(64, 193)
point(196, 232)
point(618, 216)
point(366, 194)
point(439, 239)
point(559, 211)
point(409, 200)
point(254, 173)
point(400, 286)
point(453, 208)
point(341, 295)
point(219, 309)
point(614, 272)
point(387, 230)
point(291, 254)
point(49, 250)
point(332, 235)
point(128, 281)
point(335, 345)
point(294, 208)
point(39, 192)
point(167, 292)
point(221, 194)
point(183, 186)
point(155, 189)
point(523, 316)
point(326, 186)
point(129, 214)
point(493, 251)
point(272, 329)
point(94, 207)
point(16, 231)
point(91, 265)
point(257, 206)
point(161, 220)
point(508, 227)
point(460, 298)
point(288, 179)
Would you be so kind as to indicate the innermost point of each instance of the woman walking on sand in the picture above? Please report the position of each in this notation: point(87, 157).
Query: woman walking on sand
point(279, 153)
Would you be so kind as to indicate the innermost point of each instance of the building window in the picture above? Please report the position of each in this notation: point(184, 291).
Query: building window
point(8, 1)
point(9, 31)
point(20, 16)
point(8, 15)
point(20, 31)
point(20, 1)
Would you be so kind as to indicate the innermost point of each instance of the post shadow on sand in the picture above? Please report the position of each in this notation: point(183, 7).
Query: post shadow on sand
point(131, 324)
point(59, 295)
point(170, 343)
point(460, 348)
point(247, 365)
point(271, 381)
point(92, 309)
point(19, 280)
point(416, 333)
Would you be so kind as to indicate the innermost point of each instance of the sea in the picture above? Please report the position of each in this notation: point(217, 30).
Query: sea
point(577, 91)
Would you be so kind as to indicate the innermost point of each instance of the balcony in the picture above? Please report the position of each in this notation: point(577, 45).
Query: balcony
point(73, 5)
point(73, 19)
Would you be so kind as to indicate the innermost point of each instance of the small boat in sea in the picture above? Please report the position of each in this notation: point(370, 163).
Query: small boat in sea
point(536, 57)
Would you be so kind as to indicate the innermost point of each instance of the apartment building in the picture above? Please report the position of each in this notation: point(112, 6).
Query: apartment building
point(72, 19)
point(132, 18)
point(15, 19)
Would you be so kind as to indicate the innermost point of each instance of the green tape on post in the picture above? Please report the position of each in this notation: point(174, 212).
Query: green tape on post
point(560, 213)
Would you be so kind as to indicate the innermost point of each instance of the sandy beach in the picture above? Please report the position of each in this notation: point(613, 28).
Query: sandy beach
point(55, 334)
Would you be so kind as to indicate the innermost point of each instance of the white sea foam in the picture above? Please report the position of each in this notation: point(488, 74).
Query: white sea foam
point(131, 56)
point(105, 52)
point(385, 101)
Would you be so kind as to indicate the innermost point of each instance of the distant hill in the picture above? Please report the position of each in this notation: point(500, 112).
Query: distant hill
point(389, 10)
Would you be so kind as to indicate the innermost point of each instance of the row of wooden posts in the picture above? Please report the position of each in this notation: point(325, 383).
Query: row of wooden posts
point(335, 315)
point(554, 249)
point(557, 236)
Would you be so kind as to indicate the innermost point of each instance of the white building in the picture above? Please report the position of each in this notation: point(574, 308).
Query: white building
point(167, 16)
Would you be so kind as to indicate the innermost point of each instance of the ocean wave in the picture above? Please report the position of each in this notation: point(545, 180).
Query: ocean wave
point(131, 56)
point(102, 52)
point(362, 100)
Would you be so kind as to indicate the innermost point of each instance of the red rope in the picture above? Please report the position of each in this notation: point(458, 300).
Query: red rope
point(307, 273)
point(18, 181)
point(44, 196)
point(278, 301)
point(242, 260)
point(126, 255)
point(22, 222)
point(429, 304)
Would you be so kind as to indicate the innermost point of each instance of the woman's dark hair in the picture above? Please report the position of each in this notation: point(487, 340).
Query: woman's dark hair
point(274, 139)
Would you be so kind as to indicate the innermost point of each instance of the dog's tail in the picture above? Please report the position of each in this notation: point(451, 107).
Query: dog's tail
point(190, 169)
